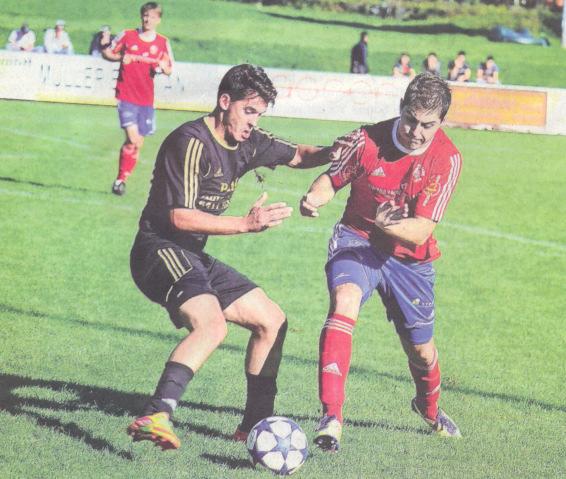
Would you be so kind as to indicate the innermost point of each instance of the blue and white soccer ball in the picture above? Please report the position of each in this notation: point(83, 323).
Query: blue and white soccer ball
point(278, 444)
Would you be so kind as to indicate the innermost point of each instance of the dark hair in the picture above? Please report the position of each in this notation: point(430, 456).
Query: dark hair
point(489, 57)
point(461, 52)
point(151, 6)
point(363, 34)
point(428, 92)
point(246, 80)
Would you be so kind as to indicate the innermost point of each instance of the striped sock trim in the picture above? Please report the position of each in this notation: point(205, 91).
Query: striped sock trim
point(337, 322)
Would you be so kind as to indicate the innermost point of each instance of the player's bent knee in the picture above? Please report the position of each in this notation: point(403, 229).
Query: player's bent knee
point(346, 300)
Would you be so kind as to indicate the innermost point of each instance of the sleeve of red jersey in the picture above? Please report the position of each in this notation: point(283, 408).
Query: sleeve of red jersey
point(346, 158)
point(169, 53)
point(118, 43)
point(435, 196)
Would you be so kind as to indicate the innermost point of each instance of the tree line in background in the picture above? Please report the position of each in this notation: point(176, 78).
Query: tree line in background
point(535, 15)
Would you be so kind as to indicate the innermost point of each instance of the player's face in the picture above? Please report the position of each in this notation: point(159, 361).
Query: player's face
point(150, 20)
point(417, 127)
point(241, 117)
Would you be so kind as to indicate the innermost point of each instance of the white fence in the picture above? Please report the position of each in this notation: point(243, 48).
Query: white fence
point(302, 94)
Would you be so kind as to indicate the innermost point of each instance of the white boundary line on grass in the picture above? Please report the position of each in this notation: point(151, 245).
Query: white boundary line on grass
point(474, 230)
point(55, 139)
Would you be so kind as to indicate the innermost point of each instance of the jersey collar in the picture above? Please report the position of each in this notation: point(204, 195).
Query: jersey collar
point(207, 121)
point(400, 147)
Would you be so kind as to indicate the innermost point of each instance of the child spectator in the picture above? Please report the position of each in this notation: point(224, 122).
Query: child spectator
point(431, 64)
point(458, 69)
point(488, 72)
point(403, 68)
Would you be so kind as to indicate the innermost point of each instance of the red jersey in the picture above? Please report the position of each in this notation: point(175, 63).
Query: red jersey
point(380, 169)
point(139, 60)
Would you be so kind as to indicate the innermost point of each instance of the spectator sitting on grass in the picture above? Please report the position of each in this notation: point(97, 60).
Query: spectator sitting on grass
point(101, 40)
point(458, 69)
point(431, 64)
point(21, 40)
point(488, 72)
point(403, 68)
point(56, 40)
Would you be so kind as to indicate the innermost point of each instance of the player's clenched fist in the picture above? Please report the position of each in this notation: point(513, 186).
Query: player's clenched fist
point(308, 209)
point(262, 217)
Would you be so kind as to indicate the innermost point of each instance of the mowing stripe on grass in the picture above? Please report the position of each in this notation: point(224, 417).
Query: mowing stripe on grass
point(473, 230)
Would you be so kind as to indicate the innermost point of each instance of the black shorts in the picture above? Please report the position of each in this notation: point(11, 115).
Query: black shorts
point(170, 275)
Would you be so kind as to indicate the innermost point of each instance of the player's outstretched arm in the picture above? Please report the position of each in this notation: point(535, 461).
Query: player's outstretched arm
point(309, 156)
point(319, 194)
point(258, 219)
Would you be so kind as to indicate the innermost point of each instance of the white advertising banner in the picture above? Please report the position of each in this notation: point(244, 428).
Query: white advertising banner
point(302, 94)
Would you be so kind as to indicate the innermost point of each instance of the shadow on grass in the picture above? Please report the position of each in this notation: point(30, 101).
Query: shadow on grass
point(427, 29)
point(227, 461)
point(513, 399)
point(9, 179)
point(105, 400)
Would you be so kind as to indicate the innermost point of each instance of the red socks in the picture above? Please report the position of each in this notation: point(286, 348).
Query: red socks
point(427, 382)
point(128, 158)
point(335, 352)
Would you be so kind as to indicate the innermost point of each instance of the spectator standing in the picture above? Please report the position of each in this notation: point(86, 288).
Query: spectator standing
point(101, 39)
point(488, 72)
point(403, 68)
point(431, 64)
point(21, 40)
point(359, 55)
point(458, 69)
point(56, 40)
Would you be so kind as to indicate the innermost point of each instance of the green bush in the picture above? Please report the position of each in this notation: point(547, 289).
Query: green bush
point(471, 14)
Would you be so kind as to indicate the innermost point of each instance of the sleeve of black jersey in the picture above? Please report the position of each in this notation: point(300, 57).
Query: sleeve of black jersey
point(269, 150)
point(183, 156)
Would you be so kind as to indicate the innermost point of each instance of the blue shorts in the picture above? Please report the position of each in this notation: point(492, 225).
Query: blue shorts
point(142, 116)
point(406, 289)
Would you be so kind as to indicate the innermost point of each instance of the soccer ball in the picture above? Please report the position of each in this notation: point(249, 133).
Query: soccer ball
point(278, 444)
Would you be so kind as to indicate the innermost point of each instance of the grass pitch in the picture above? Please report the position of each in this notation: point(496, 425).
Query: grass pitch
point(81, 348)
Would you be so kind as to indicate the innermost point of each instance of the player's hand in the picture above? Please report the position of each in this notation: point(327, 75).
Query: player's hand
point(388, 214)
point(307, 209)
point(262, 217)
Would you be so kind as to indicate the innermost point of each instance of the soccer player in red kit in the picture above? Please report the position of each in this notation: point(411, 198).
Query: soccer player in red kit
point(143, 53)
point(402, 173)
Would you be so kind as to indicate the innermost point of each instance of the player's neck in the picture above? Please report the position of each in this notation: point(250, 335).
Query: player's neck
point(147, 35)
point(218, 131)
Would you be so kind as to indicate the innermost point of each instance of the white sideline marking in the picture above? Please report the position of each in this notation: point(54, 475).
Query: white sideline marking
point(47, 198)
point(474, 230)
point(55, 139)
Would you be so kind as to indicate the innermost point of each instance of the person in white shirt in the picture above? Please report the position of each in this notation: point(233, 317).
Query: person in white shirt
point(56, 40)
point(22, 39)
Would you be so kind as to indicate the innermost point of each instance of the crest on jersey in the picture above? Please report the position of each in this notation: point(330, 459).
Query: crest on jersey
point(218, 173)
point(153, 49)
point(418, 173)
point(432, 189)
point(378, 172)
point(135, 48)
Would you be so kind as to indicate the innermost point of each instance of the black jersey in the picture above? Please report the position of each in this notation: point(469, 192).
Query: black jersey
point(195, 169)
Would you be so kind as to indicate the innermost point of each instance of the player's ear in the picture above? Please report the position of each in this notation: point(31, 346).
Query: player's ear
point(224, 101)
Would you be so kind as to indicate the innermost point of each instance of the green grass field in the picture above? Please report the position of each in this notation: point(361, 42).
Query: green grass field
point(81, 348)
point(216, 31)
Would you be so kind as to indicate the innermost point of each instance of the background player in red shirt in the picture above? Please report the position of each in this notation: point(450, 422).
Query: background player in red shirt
point(143, 53)
point(402, 174)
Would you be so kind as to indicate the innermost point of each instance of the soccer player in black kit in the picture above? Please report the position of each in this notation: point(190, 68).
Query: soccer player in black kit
point(196, 172)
